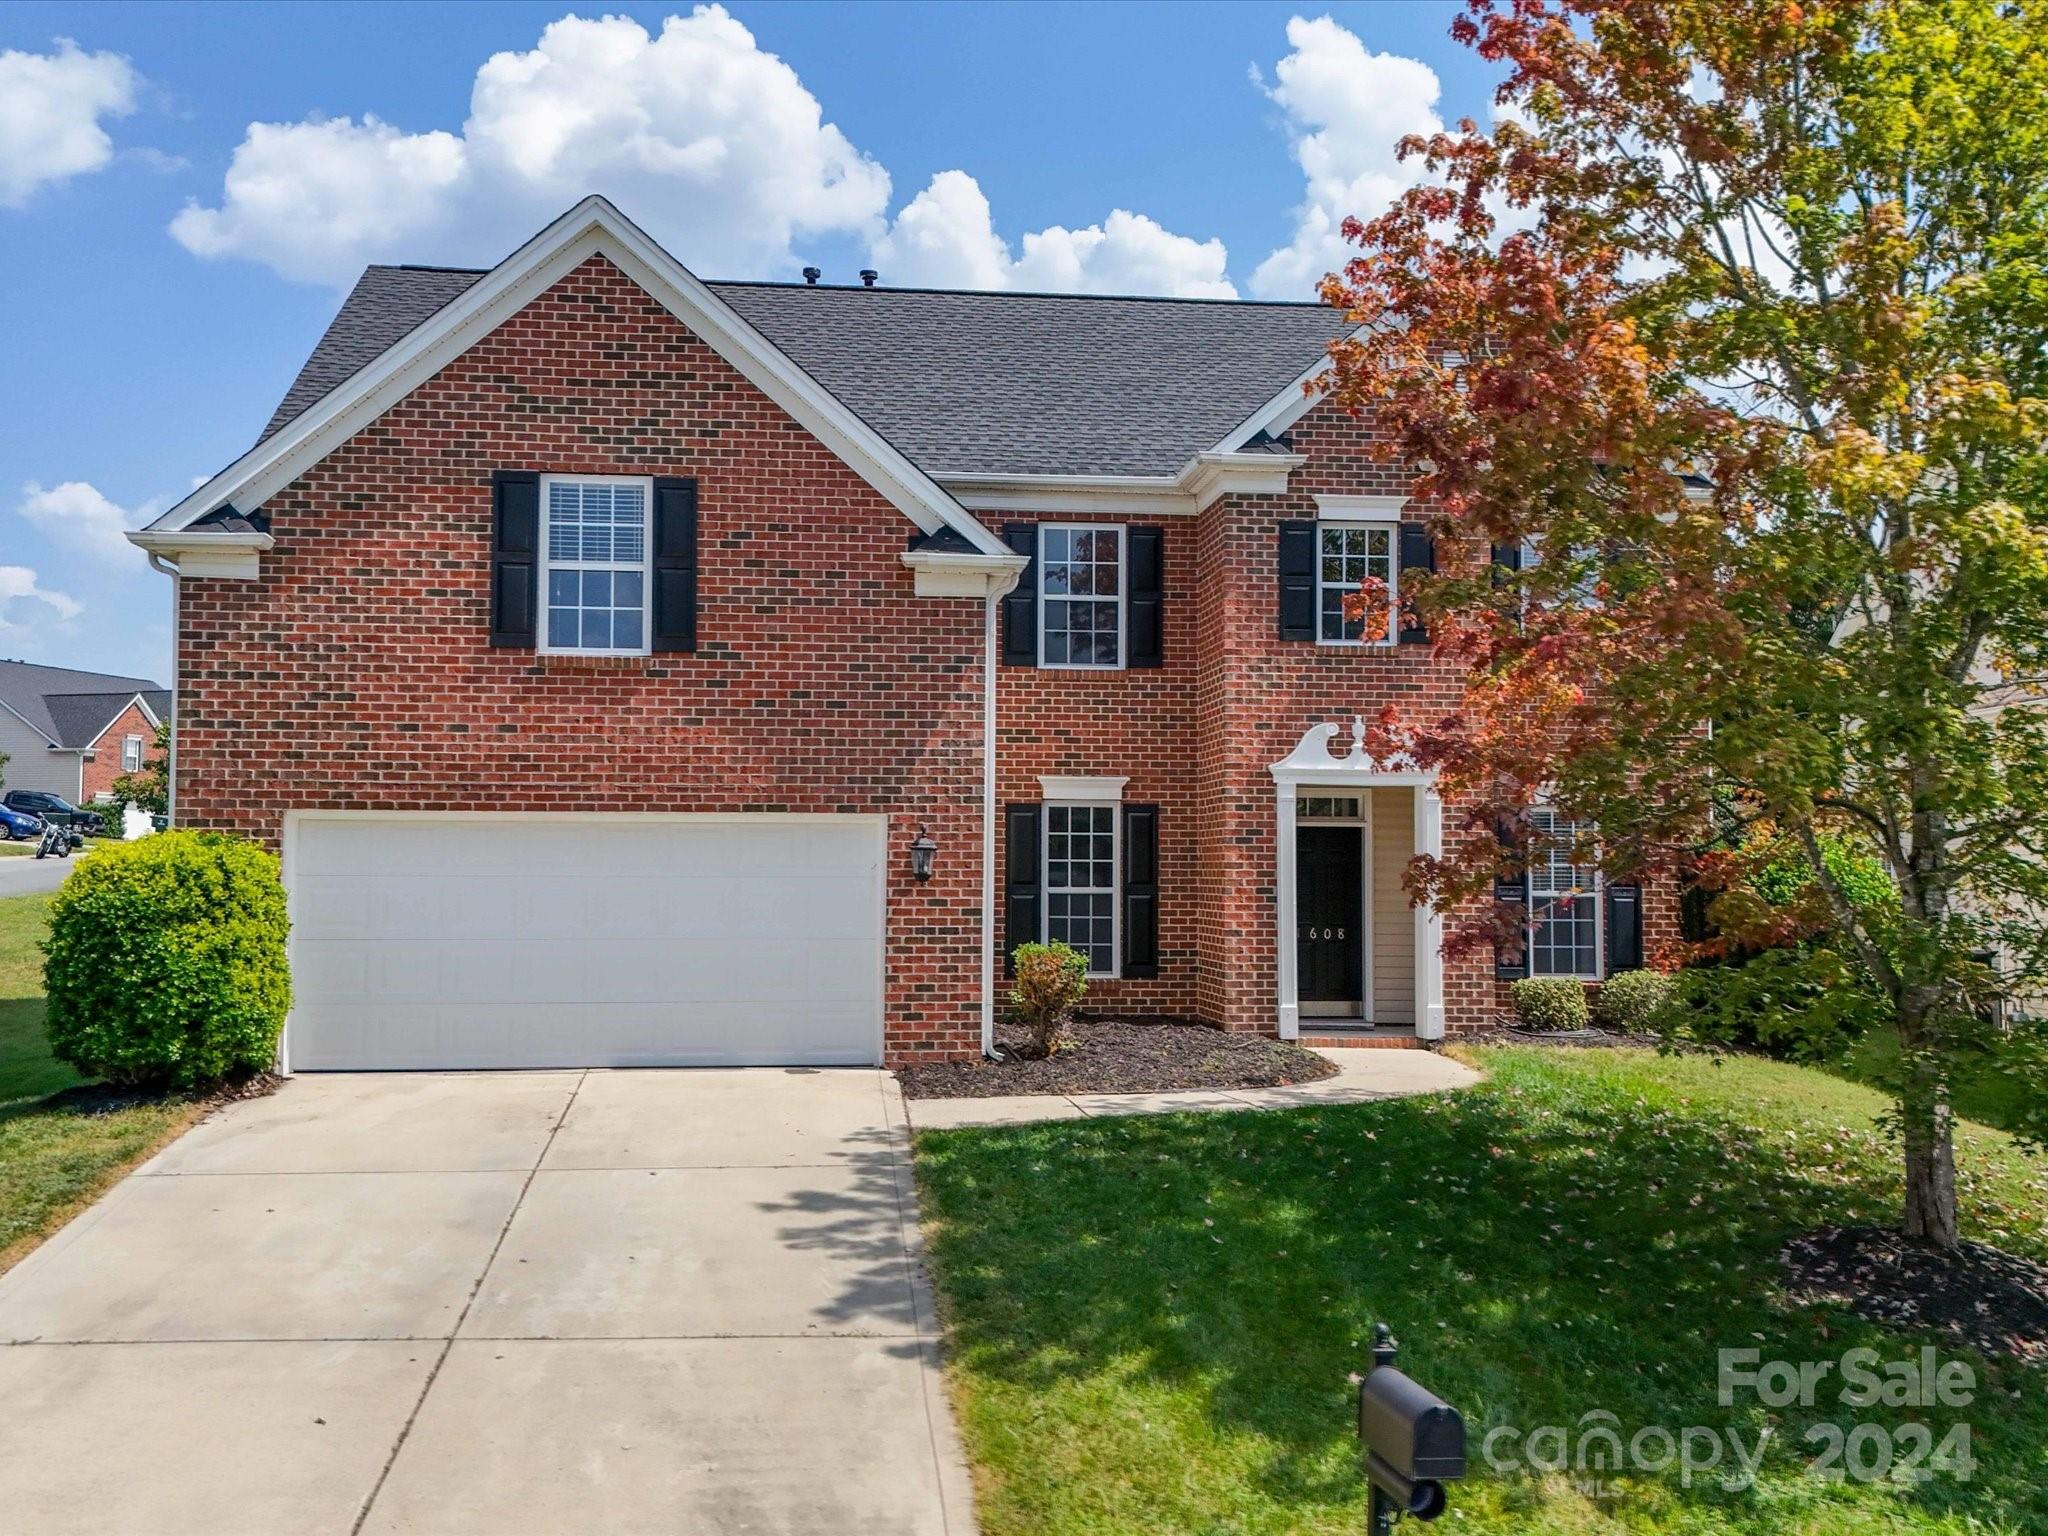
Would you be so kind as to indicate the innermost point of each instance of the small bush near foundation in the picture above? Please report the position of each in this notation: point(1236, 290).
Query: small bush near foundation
point(1050, 983)
point(1549, 1002)
point(1631, 1002)
point(165, 964)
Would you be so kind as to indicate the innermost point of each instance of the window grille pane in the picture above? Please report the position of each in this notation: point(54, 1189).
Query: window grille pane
point(1080, 847)
point(596, 581)
point(1564, 900)
point(1080, 582)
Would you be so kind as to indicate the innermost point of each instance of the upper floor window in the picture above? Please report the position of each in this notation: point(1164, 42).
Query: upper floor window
point(594, 542)
point(1348, 556)
point(1564, 899)
point(131, 754)
point(1080, 596)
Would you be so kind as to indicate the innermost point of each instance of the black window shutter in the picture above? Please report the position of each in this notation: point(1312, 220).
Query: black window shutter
point(1145, 579)
point(1624, 928)
point(1023, 901)
point(1513, 890)
point(1418, 553)
point(674, 570)
point(1020, 608)
point(1508, 556)
point(1297, 580)
point(515, 549)
point(1141, 890)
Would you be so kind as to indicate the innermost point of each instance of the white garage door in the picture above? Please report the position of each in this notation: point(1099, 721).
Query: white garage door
point(567, 941)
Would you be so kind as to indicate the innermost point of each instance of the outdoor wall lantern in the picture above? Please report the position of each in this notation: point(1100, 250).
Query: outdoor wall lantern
point(922, 852)
point(1414, 1441)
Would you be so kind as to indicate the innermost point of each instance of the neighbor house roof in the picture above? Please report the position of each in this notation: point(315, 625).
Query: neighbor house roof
point(960, 382)
point(73, 709)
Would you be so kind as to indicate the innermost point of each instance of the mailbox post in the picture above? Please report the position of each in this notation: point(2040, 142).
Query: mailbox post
point(1414, 1441)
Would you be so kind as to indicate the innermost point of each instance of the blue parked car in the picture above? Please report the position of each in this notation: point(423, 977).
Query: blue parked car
point(15, 825)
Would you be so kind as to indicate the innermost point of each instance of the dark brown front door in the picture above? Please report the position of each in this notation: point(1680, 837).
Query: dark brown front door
point(1329, 899)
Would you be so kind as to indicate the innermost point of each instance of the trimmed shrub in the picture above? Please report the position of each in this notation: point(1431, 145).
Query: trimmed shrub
point(1050, 983)
point(166, 965)
point(1631, 1001)
point(1549, 1002)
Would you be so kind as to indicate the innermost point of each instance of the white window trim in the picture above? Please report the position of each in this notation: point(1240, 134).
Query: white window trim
point(131, 746)
point(1123, 608)
point(1393, 531)
point(546, 565)
point(1116, 880)
point(1055, 790)
point(1597, 894)
point(1351, 509)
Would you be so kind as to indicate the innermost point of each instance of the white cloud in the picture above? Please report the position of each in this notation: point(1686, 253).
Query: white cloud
point(1346, 110)
point(316, 199)
point(18, 586)
point(50, 110)
point(946, 238)
point(76, 515)
point(714, 144)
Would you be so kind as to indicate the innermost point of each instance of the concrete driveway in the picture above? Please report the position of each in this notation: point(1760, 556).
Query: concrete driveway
point(560, 1302)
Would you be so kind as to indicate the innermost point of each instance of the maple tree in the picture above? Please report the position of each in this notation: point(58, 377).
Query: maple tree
point(1734, 322)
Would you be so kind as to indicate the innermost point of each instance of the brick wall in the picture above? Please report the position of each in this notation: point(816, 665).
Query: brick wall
point(1200, 735)
point(356, 673)
point(104, 766)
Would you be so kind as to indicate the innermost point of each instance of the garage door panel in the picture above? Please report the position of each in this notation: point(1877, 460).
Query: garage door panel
point(452, 944)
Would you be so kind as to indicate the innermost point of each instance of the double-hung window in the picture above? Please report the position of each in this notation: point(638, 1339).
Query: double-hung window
point(594, 542)
point(1080, 882)
point(1564, 900)
point(1350, 554)
point(1080, 596)
point(131, 754)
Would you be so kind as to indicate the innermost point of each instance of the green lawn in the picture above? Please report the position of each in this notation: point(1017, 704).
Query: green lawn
point(1152, 1320)
point(55, 1155)
point(1990, 1097)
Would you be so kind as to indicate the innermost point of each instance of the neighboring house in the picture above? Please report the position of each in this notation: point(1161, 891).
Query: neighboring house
point(596, 643)
point(73, 733)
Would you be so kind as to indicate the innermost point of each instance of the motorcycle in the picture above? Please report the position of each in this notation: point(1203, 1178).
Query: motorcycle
point(55, 839)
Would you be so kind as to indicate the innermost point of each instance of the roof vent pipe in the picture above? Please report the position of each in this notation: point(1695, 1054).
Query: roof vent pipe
point(812, 274)
point(868, 276)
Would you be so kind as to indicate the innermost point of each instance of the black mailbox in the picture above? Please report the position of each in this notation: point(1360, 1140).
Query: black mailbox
point(1414, 1441)
point(1410, 1428)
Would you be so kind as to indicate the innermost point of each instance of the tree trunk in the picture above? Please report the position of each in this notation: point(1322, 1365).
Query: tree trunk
point(1929, 1134)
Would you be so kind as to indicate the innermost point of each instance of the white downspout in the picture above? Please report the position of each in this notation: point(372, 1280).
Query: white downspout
point(988, 824)
point(159, 563)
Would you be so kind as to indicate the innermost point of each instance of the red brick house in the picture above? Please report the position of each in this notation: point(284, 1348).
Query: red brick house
point(633, 669)
point(72, 733)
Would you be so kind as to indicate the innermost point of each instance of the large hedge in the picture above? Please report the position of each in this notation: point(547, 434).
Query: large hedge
point(165, 964)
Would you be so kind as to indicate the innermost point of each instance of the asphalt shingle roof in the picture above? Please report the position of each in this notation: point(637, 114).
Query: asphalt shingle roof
point(69, 707)
point(998, 383)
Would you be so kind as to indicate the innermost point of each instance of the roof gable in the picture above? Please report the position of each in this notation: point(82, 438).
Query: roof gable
point(592, 228)
point(963, 383)
point(71, 708)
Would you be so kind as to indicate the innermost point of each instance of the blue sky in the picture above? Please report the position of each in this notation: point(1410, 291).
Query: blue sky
point(186, 192)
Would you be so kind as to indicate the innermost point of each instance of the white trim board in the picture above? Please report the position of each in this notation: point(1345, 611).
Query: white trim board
point(592, 228)
point(1311, 765)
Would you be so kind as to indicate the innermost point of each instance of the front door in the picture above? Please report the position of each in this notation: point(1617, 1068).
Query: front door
point(1329, 902)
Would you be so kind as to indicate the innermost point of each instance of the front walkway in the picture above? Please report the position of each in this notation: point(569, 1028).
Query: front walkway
point(1361, 1075)
point(554, 1302)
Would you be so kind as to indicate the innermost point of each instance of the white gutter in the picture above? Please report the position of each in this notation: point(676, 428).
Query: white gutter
point(988, 824)
point(158, 563)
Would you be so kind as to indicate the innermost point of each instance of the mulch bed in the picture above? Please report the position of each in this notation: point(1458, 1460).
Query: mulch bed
point(107, 1099)
point(1995, 1303)
point(1122, 1056)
